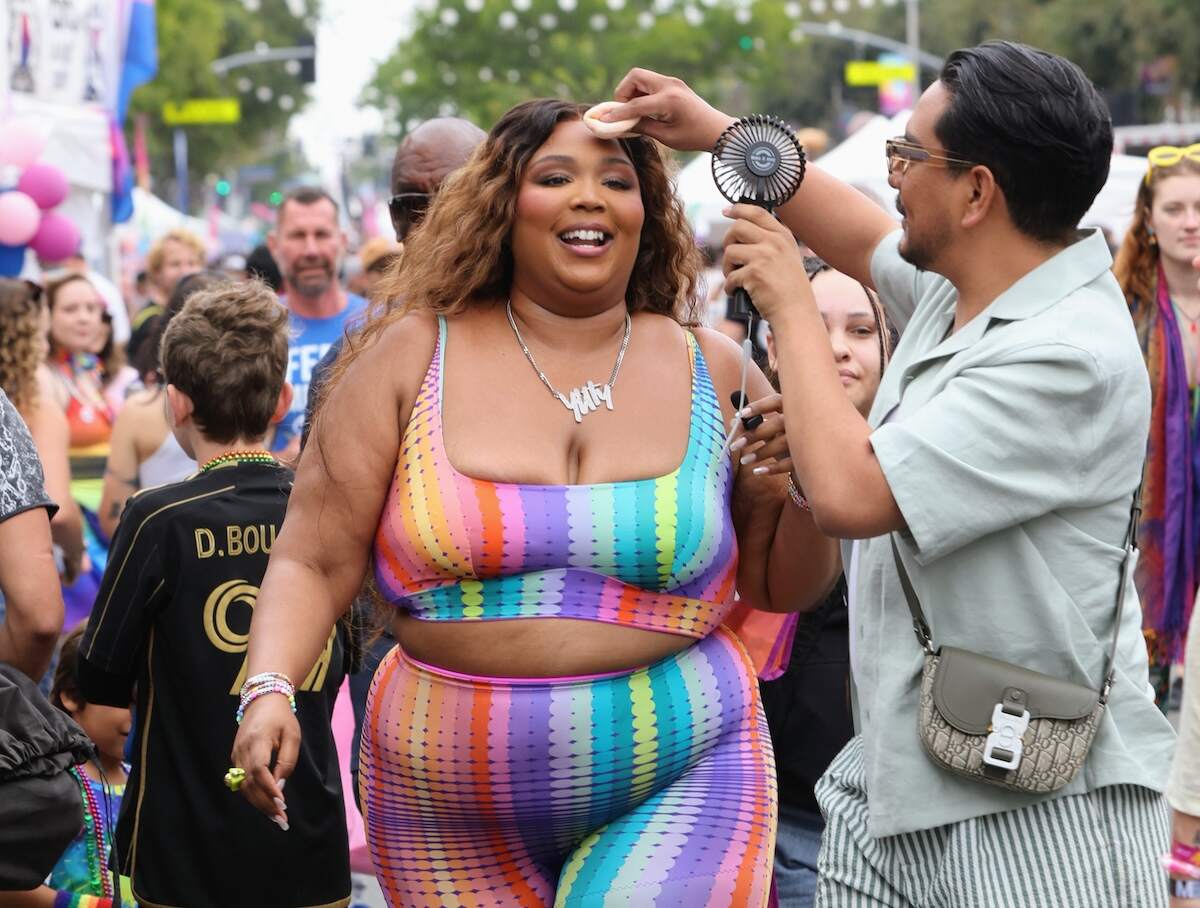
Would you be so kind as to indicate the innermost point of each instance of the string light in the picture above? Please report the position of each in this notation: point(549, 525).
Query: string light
point(645, 19)
point(548, 21)
point(598, 22)
point(507, 19)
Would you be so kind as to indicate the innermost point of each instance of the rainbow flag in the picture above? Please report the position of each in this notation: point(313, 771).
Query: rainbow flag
point(139, 65)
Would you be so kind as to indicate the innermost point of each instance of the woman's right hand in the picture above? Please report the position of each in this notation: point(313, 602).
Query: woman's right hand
point(267, 746)
point(669, 111)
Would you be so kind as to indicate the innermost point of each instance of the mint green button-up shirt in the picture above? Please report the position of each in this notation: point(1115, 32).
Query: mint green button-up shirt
point(1013, 447)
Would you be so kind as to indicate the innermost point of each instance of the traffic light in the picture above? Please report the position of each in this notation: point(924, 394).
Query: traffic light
point(223, 188)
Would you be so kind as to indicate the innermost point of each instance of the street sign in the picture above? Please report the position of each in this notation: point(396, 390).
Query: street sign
point(200, 111)
point(872, 72)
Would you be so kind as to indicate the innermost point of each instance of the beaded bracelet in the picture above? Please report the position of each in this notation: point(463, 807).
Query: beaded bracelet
point(1177, 868)
point(262, 684)
point(794, 493)
point(1182, 861)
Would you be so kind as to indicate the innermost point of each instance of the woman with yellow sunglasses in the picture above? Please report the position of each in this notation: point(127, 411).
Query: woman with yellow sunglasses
point(1157, 269)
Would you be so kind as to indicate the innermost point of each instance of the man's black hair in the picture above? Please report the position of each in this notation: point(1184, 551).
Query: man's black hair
point(261, 264)
point(1037, 122)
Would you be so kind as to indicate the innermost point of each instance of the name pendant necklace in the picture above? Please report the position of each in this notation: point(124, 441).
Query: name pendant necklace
point(585, 398)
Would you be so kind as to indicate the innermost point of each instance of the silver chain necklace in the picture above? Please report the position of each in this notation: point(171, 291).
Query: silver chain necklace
point(586, 398)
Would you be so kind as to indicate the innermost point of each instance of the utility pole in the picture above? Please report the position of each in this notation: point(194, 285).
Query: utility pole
point(912, 34)
point(181, 169)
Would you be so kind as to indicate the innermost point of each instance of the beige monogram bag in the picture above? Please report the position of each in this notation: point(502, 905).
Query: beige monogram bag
point(998, 723)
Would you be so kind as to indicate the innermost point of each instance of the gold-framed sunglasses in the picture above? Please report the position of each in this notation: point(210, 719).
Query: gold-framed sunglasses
point(901, 153)
point(1169, 156)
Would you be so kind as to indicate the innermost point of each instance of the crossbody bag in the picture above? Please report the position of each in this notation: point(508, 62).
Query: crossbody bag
point(998, 723)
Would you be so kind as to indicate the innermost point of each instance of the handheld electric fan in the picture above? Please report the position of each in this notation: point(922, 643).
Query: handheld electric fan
point(756, 161)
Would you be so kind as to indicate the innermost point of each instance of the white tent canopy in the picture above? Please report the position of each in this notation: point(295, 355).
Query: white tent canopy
point(859, 161)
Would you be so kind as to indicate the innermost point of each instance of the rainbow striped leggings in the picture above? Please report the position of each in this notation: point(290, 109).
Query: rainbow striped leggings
point(648, 788)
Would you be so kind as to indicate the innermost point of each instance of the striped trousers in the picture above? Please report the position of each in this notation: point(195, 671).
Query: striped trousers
point(1098, 850)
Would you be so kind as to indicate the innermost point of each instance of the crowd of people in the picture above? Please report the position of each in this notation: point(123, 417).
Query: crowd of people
point(616, 632)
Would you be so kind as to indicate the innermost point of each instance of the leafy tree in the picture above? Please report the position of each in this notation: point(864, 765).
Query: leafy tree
point(191, 35)
point(478, 57)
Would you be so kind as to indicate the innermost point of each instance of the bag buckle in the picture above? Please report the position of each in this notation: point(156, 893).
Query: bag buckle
point(1003, 746)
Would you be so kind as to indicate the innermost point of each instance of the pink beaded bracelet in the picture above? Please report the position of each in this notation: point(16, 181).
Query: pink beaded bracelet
point(794, 493)
point(262, 684)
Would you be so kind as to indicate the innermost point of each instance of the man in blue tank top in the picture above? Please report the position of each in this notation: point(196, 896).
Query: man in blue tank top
point(308, 245)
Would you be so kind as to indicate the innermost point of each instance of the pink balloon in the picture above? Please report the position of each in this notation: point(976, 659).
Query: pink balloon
point(19, 218)
point(45, 184)
point(20, 143)
point(57, 237)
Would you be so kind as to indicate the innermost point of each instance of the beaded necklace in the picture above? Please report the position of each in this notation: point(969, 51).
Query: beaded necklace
point(93, 834)
point(237, 457)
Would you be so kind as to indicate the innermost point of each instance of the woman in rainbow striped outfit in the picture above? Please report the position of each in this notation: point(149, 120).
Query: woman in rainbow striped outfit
point(527, 439)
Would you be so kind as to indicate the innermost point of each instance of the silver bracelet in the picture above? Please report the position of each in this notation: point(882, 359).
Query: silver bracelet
point(794, 493)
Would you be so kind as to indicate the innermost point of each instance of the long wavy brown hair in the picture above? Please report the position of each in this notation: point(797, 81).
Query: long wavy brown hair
point(22, 346)
point(461, 254)
point(1136, 266)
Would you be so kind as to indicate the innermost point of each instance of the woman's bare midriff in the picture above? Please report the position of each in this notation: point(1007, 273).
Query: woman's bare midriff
point(533, 647)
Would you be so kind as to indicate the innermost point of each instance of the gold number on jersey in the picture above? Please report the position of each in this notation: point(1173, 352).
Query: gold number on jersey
point(221, 635)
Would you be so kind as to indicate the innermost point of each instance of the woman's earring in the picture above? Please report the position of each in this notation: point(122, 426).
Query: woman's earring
point(1152, 237)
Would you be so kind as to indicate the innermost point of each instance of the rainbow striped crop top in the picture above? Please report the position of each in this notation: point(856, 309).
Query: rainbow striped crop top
point(658, 554)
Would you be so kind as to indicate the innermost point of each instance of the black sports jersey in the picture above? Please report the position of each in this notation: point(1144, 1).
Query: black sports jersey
point(173, 617)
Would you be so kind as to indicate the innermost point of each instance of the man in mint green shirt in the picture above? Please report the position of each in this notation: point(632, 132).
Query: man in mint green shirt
point(1004, 448)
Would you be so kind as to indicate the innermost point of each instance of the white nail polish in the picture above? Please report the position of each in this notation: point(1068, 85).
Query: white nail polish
point(749, 458)
point(759, 471)
point(280, 822)
point(738, 444)
point(746, 413)
point(282, 782)
point(279, 802)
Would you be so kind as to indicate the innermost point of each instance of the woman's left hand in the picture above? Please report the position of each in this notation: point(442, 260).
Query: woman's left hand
point(764, 449)
point(761, 256)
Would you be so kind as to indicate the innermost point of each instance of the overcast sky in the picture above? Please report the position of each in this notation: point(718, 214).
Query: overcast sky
point(354, 36)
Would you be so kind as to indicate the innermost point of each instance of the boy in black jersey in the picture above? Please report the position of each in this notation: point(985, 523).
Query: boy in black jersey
point(171, 622)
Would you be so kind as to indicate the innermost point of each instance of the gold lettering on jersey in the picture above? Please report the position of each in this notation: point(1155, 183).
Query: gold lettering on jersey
point(228, 640)
point(206, 543)
point(249, 540)
point(239, 540)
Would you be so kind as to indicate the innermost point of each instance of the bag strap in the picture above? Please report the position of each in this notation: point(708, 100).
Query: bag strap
point(1135, 517)
point(925, 638)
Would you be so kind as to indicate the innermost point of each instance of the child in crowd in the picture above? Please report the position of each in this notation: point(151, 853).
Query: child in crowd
point(82, 877)
point(173, 617)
